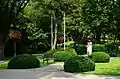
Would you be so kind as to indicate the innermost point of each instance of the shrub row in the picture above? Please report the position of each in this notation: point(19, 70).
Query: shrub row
point(98, 48)
point(51, 52)
point(112, 49)
point(73, 63)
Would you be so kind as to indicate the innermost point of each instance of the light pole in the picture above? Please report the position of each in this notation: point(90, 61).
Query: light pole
point(64, 31)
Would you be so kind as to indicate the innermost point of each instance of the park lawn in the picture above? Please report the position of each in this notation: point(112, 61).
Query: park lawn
point(111, 68)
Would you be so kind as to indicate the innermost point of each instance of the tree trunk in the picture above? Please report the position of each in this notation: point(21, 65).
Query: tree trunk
point(98, 35)
point(1, 51)
point(55, 38)
point(75, 40)
point(2, 46)
point(15, 48)
point(51, 32)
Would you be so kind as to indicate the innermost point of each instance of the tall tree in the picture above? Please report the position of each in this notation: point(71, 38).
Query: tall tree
point(56, 8)
point(74, 22)
point(100, 16)
point(9, 10)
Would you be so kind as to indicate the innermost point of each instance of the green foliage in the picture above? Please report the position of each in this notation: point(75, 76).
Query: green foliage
point(3, 66)
point(98, 48)
point(81, 49)
point(100, 57)
point(33, 23)
point(38, 15)
point(112, 49)
point(66, 49)
point(69, 43)
point(102, 17)
point(63, 55)
point(24, 61)
point(50, 52)
point(74, 22)
point(79, 64)
point(9, 13)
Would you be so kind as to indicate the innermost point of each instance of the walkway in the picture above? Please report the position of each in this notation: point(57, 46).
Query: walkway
point(53, 71)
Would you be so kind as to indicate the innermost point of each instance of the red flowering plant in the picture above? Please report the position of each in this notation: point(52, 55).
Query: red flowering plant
point(15, 35)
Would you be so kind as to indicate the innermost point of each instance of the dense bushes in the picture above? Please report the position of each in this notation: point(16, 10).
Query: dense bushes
point(50, 52)
point(98, 48)
point(63, 55)
point(79, 64)
point(112, 49)
point(81, 49)
point(24, 61)
point(100, 57)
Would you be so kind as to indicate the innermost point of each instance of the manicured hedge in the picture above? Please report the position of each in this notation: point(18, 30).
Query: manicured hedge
point(98, 48)
point(79, 64)
point(112, 49)
point(81, 49)
point(63, 55)
point(100, 57)
point(24, 61)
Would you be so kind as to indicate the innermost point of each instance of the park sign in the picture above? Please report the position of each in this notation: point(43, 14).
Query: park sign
point(15, 35)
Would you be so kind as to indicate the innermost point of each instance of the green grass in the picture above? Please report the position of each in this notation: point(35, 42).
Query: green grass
point(3, 66)
point(111, 68)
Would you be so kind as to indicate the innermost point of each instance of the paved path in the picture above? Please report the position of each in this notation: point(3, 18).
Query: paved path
point(53, 71)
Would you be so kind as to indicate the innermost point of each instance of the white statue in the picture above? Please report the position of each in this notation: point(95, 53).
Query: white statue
point(89, 48)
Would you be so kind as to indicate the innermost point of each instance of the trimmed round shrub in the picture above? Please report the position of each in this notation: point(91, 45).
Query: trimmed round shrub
point(64, 55)
point(100, 57)
point(24, 61)
point(79, 64)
